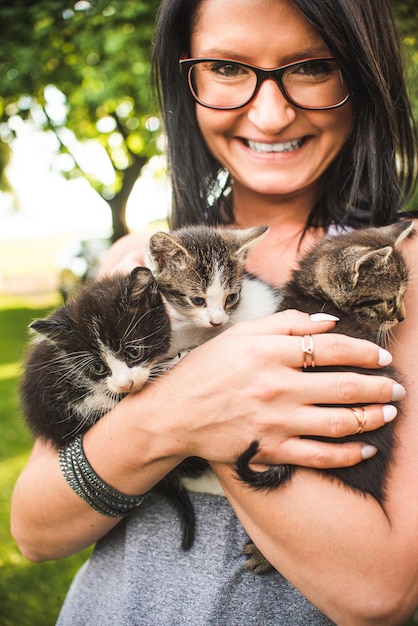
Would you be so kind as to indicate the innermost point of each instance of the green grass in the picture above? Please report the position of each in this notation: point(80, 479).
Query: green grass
point(30, 594)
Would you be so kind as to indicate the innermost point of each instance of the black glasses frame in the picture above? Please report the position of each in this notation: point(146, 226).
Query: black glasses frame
point(276, 74)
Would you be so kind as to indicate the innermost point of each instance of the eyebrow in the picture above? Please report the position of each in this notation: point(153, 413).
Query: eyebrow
point(308, 53)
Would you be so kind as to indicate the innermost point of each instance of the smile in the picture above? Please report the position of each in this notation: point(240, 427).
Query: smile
point(287, 146)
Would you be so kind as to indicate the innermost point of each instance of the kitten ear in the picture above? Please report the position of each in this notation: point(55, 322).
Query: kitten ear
point(397, 232)
point(247, 238)
point(377, 257)
point(52, 327)
point(139, 282)
point(164, 248)
point(404, 230)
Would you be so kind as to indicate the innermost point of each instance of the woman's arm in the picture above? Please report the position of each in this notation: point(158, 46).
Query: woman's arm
point(356, 561)
point(245, 384)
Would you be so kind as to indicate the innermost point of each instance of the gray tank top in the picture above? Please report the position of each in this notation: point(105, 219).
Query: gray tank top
point(138, 575)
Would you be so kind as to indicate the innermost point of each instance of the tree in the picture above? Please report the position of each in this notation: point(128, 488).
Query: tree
point(81, 71)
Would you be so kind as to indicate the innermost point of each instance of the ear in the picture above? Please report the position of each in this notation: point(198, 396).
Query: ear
point(53, 327)
point(247, 238)
point(139, 283)
point(397, 232)
point(405, 230)
point(376, 257)
point(164, 248)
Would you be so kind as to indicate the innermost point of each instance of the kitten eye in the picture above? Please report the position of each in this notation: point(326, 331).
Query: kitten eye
point(133, 352)
point(391, 304)
point(197, 301)
point(232, 298)
point(98, 368)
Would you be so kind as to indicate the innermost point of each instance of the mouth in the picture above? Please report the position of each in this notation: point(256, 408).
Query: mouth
point(276, 148)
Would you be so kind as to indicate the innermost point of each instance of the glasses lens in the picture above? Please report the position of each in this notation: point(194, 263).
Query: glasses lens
point(315, 84)
point(222, 84)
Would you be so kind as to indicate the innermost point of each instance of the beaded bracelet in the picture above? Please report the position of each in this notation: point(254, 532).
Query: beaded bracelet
point(82, 479)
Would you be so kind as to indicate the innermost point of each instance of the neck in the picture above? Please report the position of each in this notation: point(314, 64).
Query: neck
point(292, 210)
point(278, 252)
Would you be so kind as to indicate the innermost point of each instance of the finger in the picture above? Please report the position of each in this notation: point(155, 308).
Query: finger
point(348, 388)
point(332, 349)
point(289, 322)
point(316, 454)
point(329, 348)
point(323, 455)
point(342, 421)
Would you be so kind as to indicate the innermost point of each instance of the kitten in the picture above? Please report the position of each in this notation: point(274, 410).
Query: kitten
point(108, 340)
point(201, 273)
point(91, 352)
point(361, 277)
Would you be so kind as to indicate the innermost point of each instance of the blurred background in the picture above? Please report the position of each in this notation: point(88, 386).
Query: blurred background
point(81, 164)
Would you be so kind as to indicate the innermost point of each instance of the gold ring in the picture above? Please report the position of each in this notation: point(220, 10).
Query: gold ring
point(361, 419)
point(308, 351)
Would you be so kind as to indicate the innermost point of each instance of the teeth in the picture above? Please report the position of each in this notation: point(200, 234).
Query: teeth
point(288, 146)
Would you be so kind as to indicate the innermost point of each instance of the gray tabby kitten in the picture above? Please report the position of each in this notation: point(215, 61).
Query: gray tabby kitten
point(201, 275)
point(361, 277)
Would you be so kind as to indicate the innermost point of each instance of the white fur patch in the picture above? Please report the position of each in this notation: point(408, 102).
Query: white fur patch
point(125, 379)
point(207, 483)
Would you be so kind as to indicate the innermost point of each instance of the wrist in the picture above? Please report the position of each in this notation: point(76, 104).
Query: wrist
point(127, 450)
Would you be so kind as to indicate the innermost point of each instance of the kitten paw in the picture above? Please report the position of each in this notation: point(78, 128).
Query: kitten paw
point(256, 563)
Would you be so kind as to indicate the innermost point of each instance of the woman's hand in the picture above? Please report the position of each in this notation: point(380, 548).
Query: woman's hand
point(247, 384)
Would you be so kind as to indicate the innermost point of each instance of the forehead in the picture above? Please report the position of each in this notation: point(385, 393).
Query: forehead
point(268, 33)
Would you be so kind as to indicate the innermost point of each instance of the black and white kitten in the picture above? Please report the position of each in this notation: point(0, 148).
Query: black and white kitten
point(102, 344)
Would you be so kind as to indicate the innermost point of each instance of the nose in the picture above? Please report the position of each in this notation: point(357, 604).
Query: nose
point(270, 112)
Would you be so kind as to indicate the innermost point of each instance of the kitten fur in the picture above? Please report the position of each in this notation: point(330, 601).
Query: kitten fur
point(201, 273)
point(101, 345)
point(361, 277)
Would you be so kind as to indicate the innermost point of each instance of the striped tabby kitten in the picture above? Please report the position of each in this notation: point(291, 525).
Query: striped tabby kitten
point(361, 277)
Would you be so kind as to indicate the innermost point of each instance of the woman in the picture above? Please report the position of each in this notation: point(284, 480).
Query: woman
point(349, 161)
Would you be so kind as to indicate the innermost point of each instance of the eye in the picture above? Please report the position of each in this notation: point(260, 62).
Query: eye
point(227, 69)
point(99, 368)
point(315, 69)
point(391, 304)
point(232, 298)
point(133, 352)
point(197, 301)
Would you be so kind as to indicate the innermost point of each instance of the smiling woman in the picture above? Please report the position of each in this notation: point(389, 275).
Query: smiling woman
point(306, 170)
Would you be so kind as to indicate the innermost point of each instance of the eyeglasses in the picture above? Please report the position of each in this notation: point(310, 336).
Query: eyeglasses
point(313, 84)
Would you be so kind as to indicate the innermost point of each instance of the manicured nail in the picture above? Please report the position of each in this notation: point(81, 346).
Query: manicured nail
point(324, 317)
point(398, 392)
point(367, 452)
point(385, 357)
point(389, 412)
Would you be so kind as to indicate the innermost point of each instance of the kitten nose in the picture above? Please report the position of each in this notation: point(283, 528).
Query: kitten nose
point(127, 386)
point(215, 324)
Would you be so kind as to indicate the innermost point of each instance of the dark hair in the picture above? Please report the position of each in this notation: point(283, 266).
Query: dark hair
point(372, 176)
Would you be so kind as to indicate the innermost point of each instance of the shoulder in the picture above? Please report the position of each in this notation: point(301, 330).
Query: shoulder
point(126, 253)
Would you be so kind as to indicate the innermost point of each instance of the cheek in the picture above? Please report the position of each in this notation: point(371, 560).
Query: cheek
point(338, 126)
point(214, 125)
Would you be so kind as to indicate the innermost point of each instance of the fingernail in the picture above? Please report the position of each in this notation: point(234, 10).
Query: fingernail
point(398, 392)
point(324, 317)
point(385, 357)
point(389, 412)
point(367, 452)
